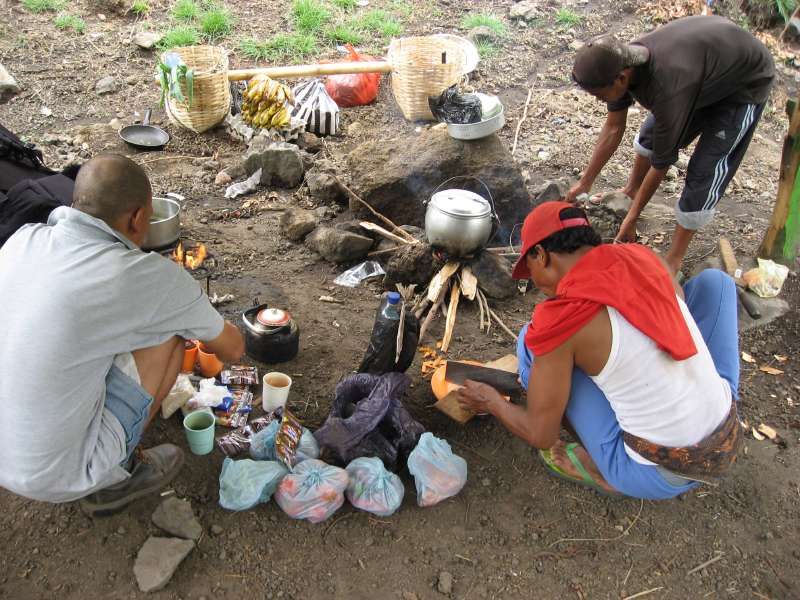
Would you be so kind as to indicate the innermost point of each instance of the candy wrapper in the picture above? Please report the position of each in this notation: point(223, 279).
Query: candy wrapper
point(237, 413)
point(237, 442)
point(239, 375)
point(288, 439)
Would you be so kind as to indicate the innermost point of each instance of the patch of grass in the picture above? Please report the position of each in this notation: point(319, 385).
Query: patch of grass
point(185, 10)
point(65, 21)
point(183, 35)
point(486, 49)
point(379, 21)
point(39, 6)
point(310, 16)
point(566, 18)
point(140, 7)
point(216, 22)
point(281, 46)
point(785, 8)
point(345, 4)
point(403, 7)
point(484, 20)
point(344, 33)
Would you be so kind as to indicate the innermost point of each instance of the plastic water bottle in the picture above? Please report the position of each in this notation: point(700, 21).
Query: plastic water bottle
point(381, 352)
point(390, 308)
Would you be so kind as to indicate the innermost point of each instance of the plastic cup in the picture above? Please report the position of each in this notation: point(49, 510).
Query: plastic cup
point(210, 365)
point(189, 356)
point(275, 390)
point(199, 427)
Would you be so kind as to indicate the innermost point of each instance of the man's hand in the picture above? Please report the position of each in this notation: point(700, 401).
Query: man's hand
point(478, 397)
point(576, 190)
point(627, 231)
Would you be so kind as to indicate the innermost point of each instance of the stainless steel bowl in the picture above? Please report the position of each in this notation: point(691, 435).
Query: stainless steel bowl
point(476, 131)
point(165, 224)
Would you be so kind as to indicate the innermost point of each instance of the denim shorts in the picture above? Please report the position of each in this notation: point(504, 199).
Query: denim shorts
point(130, 403)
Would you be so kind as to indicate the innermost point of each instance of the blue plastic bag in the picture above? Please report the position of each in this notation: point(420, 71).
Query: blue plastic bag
point(313, 491)
point(438, 473)
point(262, 444)
point(373, 488)
point(245, 483)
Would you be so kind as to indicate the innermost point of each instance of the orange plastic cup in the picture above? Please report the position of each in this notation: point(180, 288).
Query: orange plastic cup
point(189, 356)
point(210, 365)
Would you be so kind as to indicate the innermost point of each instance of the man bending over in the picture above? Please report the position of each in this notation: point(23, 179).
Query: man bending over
point(93, 339)
point(645, 373)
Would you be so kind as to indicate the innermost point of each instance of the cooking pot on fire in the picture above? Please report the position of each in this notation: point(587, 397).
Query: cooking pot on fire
point(165, 224)
point(270, 335)
point(458, 221)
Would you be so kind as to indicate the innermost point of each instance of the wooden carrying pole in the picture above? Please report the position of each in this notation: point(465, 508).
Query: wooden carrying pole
point(778, 243)
point(371, 66)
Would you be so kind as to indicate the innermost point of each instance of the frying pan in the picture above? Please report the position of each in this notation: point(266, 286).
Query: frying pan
point(146, 136)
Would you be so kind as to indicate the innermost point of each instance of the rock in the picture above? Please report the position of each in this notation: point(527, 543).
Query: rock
point(222, 178)
point(158, 560)
point(409, 264)
point(216, 529)
point(494, 275)
point(115, 124)
point(8, 86)
point(526, 10)
point(604, 220)
point(397, 175)
point(106, 85)
point(355, 129)
point(324, 212)
point(338, 246)
point(281, 164)
point(175, 516)
point(445, 583)
point(617, 202)
point(550, 190)
point(310, 142)
point(481, 34)
point(296, 223)
point(322, 184)
point(147, 40)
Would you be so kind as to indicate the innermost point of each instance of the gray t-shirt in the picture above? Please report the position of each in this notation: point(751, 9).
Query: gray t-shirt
point(75, 293)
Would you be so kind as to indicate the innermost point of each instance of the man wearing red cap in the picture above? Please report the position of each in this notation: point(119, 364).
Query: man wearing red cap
point(699, 77)
point(645, 379)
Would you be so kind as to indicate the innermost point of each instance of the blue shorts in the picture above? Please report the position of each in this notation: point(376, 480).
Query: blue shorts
point(130, 403)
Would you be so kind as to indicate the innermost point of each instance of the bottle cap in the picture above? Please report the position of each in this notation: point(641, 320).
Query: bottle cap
point(393, 297)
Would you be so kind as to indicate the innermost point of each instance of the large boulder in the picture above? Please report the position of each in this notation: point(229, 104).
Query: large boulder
point(494, 275)
point(323, 185)
point(412, 263)
point(158, 560)
point(338, 245)
point(281, 164)
point(396, 176)
point(175, 516)
point(296, 223)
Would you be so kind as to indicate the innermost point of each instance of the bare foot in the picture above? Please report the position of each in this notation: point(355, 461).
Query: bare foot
point(560, 458)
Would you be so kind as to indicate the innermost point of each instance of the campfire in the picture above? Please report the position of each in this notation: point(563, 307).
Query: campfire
point(190, 258)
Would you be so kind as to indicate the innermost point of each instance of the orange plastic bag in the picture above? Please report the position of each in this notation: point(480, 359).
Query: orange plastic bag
point(356, 89)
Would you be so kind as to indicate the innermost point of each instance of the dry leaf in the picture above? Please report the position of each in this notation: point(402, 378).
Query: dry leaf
point(757, 435)
point(770, 370)
point(780, 357)
point(747, 358)
point(767, 431)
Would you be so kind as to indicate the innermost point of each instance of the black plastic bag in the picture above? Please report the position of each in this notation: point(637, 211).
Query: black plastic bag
point(381, 353)
point(452, 107)
point(368, 419)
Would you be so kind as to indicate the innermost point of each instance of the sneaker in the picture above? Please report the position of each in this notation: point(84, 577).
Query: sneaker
point(151, 470)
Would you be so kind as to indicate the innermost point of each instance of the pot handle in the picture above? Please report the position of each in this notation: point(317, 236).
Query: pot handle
point(486, 187)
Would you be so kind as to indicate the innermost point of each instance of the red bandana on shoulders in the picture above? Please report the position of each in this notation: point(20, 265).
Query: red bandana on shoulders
point(627, 277)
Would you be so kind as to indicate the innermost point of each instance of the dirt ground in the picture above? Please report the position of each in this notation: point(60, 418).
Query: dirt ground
point(513, 532)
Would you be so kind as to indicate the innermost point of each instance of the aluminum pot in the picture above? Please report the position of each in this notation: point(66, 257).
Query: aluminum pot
point(165, 224)
point(459, 222)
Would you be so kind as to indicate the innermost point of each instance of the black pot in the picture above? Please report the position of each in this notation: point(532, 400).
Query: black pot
point(269, 344)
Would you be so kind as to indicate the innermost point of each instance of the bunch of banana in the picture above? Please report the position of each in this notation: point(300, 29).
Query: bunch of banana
point(267, 103)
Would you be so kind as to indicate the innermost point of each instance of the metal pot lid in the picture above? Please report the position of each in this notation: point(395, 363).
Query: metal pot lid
point(461, 203)
point(273, 317)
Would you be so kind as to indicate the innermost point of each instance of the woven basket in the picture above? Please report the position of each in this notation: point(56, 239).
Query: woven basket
point(423, 67)
point(211, 101)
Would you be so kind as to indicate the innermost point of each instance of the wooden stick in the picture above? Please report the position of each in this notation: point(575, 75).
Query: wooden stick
point(702, 566)
point(387, 234)
point(387, 250)
point(480, 307)
point(430, 316)
point(503, 326)
point(439, 281)
point(421, 305)
point(501, 249)
point(371, 66)
point(485, 303)
point(401, 232)
point(644, 593)
point(450, 323)
point(521, 121)
point(469, 283)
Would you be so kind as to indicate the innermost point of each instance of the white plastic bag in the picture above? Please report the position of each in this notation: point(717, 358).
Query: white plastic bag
point(438, 473)
point(373, 488)
point(244, 187)
point(355, 275)
point(179, 395)
point(313, 491)
point(209, 395)
point(316, 108)
point(262, 444)
point(245, 483)
point(767, 279)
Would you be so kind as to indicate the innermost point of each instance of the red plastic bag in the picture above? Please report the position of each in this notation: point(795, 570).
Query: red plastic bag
point(355, 89)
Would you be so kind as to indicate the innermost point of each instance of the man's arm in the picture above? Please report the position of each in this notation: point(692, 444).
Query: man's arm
point(548, 392)
point(228, 345)
point(653, 179)
point(608, 142)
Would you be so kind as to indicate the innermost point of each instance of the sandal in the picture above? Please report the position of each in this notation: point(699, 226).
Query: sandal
point(585, 479)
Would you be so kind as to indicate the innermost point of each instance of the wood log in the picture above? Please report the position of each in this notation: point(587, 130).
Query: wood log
point(469, 283)
point(778, 243)
point(439, 281)
point(430, 316)
point(387, 234)
point(450, 323)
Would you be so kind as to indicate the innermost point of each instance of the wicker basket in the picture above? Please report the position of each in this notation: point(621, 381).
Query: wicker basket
point(423, 67)
point(211, 100)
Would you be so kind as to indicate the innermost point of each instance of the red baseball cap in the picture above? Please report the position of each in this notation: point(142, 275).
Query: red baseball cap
point(542, 222)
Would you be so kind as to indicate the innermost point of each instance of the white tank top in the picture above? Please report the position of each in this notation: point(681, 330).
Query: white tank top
point(664, 401)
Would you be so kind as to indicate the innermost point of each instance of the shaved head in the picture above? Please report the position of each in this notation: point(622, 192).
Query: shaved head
point(110, 186)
